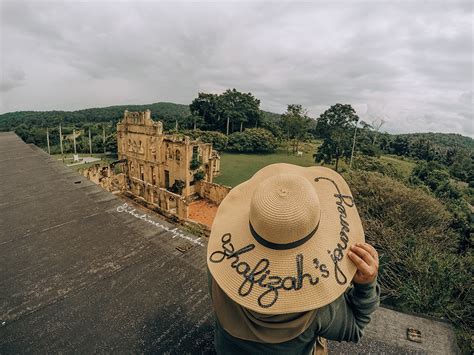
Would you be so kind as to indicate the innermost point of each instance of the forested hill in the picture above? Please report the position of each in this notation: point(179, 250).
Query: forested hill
point(164, 111)
point(160, 111)
point(443, 140)
point(169, 113)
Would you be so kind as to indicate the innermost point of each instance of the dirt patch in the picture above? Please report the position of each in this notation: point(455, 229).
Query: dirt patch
point(202, 211)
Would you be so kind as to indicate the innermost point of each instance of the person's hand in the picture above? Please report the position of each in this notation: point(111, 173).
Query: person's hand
point(365, 257)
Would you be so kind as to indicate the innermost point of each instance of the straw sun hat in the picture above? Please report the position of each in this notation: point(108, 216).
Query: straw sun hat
point(279, 240)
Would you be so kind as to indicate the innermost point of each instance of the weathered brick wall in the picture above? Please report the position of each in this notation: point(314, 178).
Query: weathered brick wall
point(214, 192)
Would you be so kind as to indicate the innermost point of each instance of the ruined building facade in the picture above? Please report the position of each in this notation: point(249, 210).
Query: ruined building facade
point(164, 169)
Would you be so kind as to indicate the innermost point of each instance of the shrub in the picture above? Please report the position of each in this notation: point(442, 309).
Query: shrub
point(372, 164)
point(420, 268)
point(198, 176)
point(178, 187)
point(218, 140)
point(253, 140)
point(194, 164)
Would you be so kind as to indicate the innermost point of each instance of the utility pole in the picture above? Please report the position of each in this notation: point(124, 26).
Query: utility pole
point(61, 141)
point(353, 145)
point(103, 136)
point(176, 126)
point(228, 121)
point(47, 140)
point(74, 137)
point(90, 142)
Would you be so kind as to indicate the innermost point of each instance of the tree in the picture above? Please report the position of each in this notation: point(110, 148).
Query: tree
point(400, 146)
point(377, 125)
point(222, 112)
point(295, 124)
point(336, 126)
point(365, 139)
point(206, 107)
point(422, 149)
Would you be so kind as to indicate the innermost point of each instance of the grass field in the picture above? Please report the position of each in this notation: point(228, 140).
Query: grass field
point(236, 168)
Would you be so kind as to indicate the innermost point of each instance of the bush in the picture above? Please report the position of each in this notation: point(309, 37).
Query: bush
point(178, 187)
point(253, 140)
point(194, 163)
point(420, 268)
point(366, 163)
point(198, 176)
point(218, 140)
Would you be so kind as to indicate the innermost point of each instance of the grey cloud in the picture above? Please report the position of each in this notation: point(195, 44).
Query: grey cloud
point(409, 62)
point(12, 78)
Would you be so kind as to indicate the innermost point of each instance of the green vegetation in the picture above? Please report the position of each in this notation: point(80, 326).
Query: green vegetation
point(227, 112)
point(295, 124)
point(166, 112)
point(421, 268)
point(237, 168)
point(336, 127)
point(252, 140)
point(403, 165)
point(217, 139)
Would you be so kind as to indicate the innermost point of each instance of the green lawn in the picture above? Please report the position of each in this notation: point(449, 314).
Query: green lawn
point(236, 168)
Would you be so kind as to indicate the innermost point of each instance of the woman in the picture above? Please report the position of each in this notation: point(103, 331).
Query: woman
point(284, 248)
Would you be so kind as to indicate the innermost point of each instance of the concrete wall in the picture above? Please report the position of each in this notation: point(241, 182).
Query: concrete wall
point(214, 192)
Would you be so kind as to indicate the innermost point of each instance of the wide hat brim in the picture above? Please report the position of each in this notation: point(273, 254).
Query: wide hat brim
point(306, 277)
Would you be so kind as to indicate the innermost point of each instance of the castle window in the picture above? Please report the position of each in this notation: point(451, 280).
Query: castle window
point(178, 155)
point(142, 174)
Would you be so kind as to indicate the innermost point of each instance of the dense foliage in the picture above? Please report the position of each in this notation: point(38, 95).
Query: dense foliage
point(421, 269)
point(166, 112)
point(253, 140)
point(295, 125)
point(228, 111)
point(218, 140)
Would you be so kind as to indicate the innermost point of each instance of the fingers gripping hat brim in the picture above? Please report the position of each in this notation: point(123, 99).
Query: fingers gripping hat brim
point(307, 276)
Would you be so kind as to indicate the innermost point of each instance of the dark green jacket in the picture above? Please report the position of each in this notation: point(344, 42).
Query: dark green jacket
point(342, 320)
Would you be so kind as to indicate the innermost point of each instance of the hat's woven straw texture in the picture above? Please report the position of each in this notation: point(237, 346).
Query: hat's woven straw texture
point(284, 204)
point(284, 208)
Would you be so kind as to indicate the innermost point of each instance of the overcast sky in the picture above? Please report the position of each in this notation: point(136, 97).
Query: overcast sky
point(407, 62)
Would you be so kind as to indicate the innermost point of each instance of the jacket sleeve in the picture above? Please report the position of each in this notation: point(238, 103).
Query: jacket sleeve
point(345, 318)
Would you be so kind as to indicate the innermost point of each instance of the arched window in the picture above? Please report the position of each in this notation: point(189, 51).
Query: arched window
point(178, 155)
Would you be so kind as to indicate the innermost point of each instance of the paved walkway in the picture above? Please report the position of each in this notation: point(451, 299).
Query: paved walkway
point(80, 272)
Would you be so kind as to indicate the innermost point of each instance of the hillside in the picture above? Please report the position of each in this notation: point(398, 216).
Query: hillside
point(443, 140)
point(164, 111)
point(167, 112)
